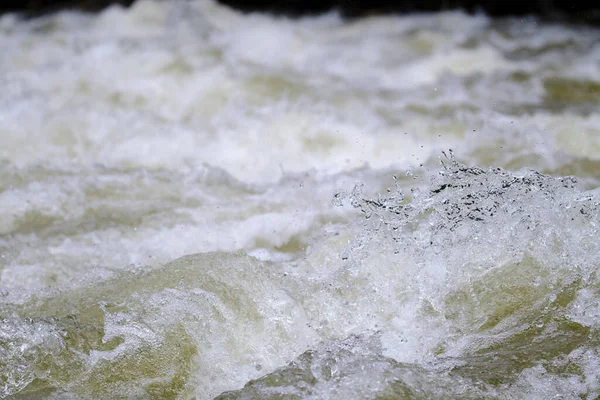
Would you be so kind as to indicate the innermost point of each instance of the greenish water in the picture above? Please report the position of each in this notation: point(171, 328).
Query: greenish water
point(199, 204)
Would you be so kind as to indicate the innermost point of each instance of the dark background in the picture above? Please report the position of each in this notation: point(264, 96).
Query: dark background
point(574, 10)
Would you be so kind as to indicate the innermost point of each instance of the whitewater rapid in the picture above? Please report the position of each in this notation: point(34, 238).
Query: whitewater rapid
point(197, 203)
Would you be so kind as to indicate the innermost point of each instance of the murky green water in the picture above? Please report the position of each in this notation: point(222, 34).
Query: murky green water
point(196, 203)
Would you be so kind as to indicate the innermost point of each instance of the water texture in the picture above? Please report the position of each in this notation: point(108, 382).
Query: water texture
point(199, 204)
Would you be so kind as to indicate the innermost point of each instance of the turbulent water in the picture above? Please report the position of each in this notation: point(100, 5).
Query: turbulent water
point(196, 203)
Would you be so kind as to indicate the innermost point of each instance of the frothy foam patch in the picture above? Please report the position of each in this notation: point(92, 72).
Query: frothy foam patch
point(472, 287)
point(171, 332)
point(133, 137)
point(474, 280)
point(178, 87)
point(60, 222)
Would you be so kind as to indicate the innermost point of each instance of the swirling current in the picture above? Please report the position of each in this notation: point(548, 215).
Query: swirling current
point(197, 203)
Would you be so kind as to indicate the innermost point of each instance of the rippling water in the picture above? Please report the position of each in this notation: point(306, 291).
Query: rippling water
point(195, 203)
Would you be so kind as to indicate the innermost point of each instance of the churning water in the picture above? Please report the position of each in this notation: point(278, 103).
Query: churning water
point(196, 203)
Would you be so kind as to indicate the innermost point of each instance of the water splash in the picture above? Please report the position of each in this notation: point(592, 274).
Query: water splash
point(469, 290)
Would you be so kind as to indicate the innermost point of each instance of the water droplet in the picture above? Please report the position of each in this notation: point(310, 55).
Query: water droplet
point(539, 324)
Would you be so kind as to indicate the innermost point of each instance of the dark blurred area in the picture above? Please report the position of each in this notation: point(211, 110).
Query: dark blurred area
point(357, 8)
point(34, 8)
point(573, 10)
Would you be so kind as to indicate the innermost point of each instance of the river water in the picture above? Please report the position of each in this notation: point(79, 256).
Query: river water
point(196, 203)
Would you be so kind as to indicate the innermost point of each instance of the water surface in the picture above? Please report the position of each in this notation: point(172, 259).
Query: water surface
point(196, 203)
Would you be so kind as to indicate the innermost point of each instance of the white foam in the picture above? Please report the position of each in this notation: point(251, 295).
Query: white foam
point(136, 136)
